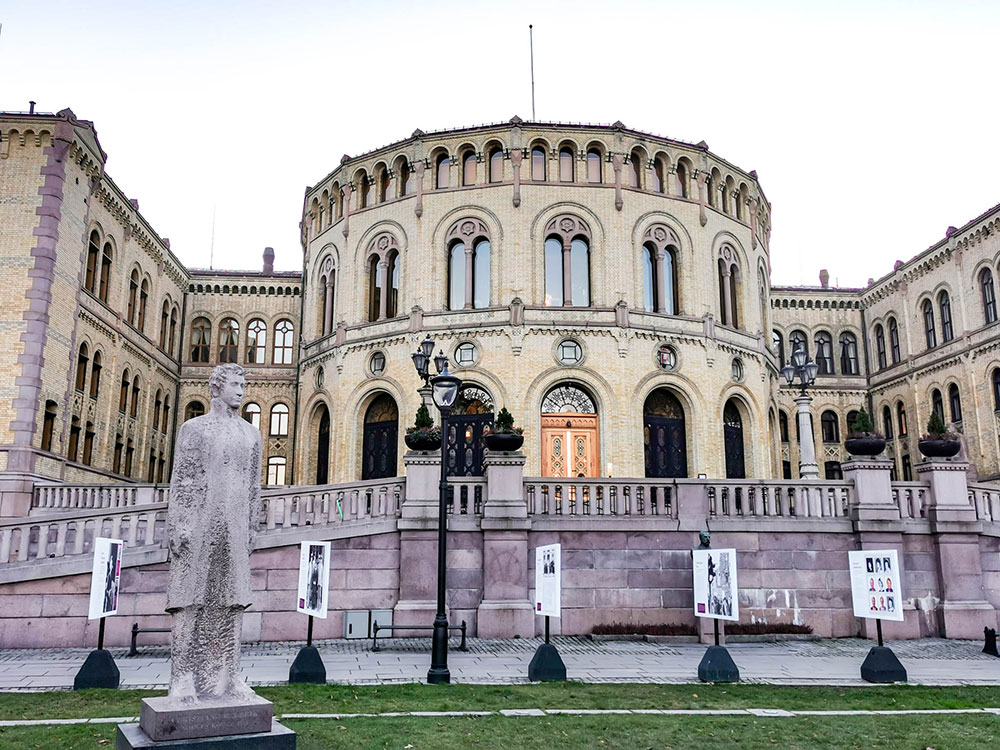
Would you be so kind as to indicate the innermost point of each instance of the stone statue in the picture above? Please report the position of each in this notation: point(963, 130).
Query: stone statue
point(704, 539)
point(212, 519)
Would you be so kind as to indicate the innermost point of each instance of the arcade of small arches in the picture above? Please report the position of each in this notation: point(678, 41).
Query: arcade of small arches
point(569, 439)
point(231, 347)
point(844, 362)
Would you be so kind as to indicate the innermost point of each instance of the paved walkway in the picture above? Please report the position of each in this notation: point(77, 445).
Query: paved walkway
point(828, 662)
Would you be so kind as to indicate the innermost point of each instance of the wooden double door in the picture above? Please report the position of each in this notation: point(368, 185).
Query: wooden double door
point(570, 445)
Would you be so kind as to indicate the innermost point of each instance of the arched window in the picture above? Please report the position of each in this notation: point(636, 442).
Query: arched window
point(937, 403)
point(82, 358)
point(194, 409)
point(129, 456)
point(830, 426)
point(580, 271)
point(880, 346)
point(852, 420)
point(173, 331)
point(796, 341)
point(406, 186)
point(567, 249)
point(123, 393)
point(778, 347)
point(276, 470)
point(166, 413)
point(116, 464)
point(996, 389)
point(364, 190)
point(887, 422)
point(257, 340)
point(553, 272)
point(659, 258)
point(712, 187)
point(469, 168)
point(783, 426)
point(143, 299)
point(824, 353)
point(93, 257)
point(648, 277)
point(48, 425)
point(283, 334)
point(105, 283)
point(74, 438)
point(442, 169)
point(901, 418)
point(566, 164)
point(164, 323)
point(383, 185)
point(894, 340)
point(929, 332)
point(955, 403)
point(728, 293)
point(88, 444)
point(251, 413)
point(732, 425)
point(229, 340)
point(279, 420)
point(635, 170)
point(374, 288)
point(496, 164)
point(133, 293)
point(157, 405)
point(947, 330)
point(656, 176)
point(134, 408)
point(594, 166)
point(537, 164)
point(848, 354)
point(468, 285)
point(681, 177)
point(391, 309)
point(989, 296)
point(95, 376)
point(200, 332)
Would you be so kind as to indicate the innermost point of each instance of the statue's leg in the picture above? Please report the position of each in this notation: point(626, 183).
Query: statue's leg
point(183, 659)
point(238, 688)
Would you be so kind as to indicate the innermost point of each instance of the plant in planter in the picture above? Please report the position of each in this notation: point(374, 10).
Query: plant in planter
point(863, 440)
point(423, 436)
point(939, 442)
point(503, 435)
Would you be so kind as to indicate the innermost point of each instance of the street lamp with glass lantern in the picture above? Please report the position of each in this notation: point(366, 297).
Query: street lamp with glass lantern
point(805, 370)
point(444, 389)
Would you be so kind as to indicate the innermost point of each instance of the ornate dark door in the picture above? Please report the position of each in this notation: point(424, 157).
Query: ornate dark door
point(665, 447)
point(735, 466)
point(379, 451)
point(465, 444)
point(323, 449)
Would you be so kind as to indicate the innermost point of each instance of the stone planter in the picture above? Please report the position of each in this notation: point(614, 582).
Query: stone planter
point(865, 446)
point(421, 441)
point(503, 441)
point(939, 448)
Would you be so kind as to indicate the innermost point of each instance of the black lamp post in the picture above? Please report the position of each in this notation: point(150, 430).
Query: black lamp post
point(806, 370)
point(444, 389)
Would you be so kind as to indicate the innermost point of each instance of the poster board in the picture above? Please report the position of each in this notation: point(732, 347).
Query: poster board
point(314, 579)
point(876, 584)
point(715, 588)
point(548, 580)
point(105, 577)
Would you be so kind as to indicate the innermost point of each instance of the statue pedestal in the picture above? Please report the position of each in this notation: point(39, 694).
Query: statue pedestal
point(131, 737)
point(167, 723)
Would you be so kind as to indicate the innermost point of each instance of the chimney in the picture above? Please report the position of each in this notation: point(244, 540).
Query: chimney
point(31, 108)
point(824, 278)
point(269, 260)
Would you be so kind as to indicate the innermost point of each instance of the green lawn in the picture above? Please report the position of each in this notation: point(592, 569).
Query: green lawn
point(612, 731)
point(418, 697)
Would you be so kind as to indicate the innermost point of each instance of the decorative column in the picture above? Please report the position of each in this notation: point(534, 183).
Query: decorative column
point(417, 526)
point(808, 468)
point(515, 160)
point(468, 275)
point(661, 281)
point(505, 611)
point(383, 302)
point(328, 309)
point(727, 293)
point(419, 168)
point(964, 610)
point(567, 270)
point(753, 223)
point(701, 176)
point(616, 162)
point(348, 189)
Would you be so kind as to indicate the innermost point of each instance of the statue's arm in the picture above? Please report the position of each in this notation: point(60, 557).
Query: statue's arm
point(256, 504)
point(187, 488)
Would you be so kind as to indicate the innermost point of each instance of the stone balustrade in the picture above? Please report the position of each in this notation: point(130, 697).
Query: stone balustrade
point(985, 499)
point(600, 497)
point(62, 497)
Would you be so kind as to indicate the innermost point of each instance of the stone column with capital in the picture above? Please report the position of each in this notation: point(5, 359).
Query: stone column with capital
point(661, 281)
point(567, 268)
point(505, 611)
point(964, 610)
point(516, 155)
point(808, 468)
point(616, 162)
point(727, 293)
point(702, 177)
point(383, 302)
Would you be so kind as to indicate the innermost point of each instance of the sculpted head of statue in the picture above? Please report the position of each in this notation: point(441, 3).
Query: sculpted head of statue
point(705, 539)
point(226, 384)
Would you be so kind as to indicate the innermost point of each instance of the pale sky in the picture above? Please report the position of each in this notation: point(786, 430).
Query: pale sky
point(872, 125)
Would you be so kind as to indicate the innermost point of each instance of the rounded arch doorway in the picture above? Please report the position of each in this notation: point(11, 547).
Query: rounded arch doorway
point(732, 421)
point(472, 413)
point(570, 440)
point(381, 435)
point(323, 445)
point(664, 435)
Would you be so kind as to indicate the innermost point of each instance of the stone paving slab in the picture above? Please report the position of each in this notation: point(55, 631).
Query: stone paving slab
point(825, 662)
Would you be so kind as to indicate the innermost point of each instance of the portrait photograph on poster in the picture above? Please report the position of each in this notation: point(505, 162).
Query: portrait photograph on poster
point(715, 589)
point(314, 578)
point(548, 580)
point(876, 584)
point(105, 577)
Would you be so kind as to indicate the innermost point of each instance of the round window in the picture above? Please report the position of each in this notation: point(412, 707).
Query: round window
point(569, 352)
point(666, 357)
point(466, 354)
point(377, 364)
point(737, 370)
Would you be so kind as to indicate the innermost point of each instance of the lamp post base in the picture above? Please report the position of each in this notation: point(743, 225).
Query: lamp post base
point(438, 676)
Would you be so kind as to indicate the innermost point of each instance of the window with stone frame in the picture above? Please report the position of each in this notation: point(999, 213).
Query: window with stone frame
point(930, 334)
point(200, 332)
point(257, 341)
point(848, 354)
point(48, 425)
point(279, 420)
point(947, 328)
point(284, 334)
point(469, 260)
point(880, 346)
point(894, 340)
point(82, 358)
point(989, 296)
point(824, 353)
point(955, 403)
point(567, 251)
point(229, 340)
point(276, 470)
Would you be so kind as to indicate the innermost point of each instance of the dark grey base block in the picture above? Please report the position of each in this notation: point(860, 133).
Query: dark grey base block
point(161, 719)
point(131, 737)
point(98, 671)
point(546, 665)
point(718, 666)
point(882, 666)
